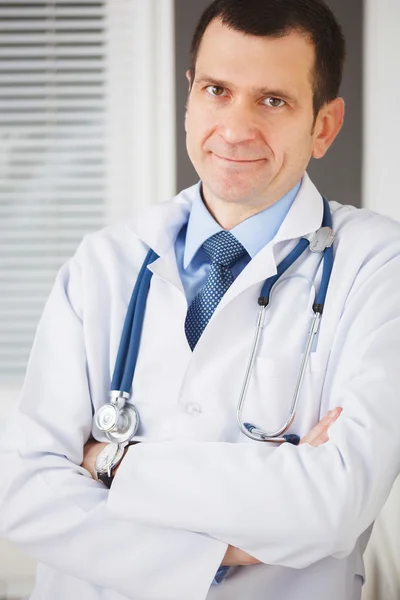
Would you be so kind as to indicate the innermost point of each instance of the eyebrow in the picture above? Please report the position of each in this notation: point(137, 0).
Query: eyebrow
point(275, 93)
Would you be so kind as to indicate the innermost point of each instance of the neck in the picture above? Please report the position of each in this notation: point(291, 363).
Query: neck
point(230, 217)
point(229, 214)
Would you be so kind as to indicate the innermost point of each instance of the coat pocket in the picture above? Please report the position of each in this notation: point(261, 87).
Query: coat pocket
point(272, 387)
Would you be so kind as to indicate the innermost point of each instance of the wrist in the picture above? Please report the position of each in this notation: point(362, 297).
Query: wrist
point(235, 557)
point(91, 451)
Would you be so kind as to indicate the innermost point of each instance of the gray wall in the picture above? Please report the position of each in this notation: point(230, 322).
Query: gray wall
point(338, 175)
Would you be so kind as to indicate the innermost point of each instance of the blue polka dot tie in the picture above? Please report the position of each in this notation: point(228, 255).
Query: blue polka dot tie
point(224, 251)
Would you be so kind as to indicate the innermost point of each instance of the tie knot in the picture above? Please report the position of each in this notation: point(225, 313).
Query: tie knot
point(224, 249)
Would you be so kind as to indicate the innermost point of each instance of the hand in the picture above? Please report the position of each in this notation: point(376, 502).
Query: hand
point(317, 436)
point(235, 557)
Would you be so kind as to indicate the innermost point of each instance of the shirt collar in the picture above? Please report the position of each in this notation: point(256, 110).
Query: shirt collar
point(253, 233)
point(159, 225)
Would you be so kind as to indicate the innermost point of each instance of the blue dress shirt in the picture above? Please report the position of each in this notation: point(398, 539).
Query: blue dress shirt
point(193, 263)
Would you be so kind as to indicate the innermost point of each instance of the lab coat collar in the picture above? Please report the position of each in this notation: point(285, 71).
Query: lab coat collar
point(305, 214)
point(159, 226)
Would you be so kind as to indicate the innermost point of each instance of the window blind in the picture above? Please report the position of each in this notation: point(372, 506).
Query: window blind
point(52, 155)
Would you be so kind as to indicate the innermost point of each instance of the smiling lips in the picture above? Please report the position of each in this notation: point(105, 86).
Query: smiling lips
point(231, 160)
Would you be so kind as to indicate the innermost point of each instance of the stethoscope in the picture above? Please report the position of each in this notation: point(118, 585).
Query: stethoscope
point(119, 419)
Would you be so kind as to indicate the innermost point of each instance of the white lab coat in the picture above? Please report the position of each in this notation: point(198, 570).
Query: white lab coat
point(197, 484)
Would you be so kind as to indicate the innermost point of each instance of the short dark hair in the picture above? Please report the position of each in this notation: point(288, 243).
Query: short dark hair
point(277, 18)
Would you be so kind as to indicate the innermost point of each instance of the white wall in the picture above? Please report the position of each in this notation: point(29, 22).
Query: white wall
point(381, 176)
point(141, 71)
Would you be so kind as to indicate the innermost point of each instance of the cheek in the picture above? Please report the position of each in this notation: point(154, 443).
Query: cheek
point(191, 131)
point(291, 144)
point(198, 129)
point(192, 135)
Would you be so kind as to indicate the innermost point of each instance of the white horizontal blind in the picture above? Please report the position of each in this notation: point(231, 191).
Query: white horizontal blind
point(52, 155)
point(87, 136)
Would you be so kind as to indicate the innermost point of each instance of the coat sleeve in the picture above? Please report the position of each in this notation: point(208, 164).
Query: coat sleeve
point(51, 507)
point(294, 506)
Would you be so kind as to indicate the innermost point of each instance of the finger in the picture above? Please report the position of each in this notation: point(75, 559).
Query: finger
point(319, 434)
point(318, 430)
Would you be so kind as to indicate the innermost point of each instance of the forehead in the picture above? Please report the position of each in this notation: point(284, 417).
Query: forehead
point(253, 61)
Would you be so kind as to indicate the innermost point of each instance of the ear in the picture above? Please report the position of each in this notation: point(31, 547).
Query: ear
point(189, 79)
point(328, 124)
point(187, 101)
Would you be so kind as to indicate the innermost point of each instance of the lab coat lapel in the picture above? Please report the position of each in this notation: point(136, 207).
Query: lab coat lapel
point(166, 269)
point(159, 225)
point(258, 270)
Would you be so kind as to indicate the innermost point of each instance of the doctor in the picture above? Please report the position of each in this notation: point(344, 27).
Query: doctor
point(196, 493)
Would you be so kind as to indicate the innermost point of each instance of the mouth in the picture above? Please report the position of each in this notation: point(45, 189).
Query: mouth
point(238, 161)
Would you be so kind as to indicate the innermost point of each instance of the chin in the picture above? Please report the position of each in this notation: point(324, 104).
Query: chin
point(234, 189)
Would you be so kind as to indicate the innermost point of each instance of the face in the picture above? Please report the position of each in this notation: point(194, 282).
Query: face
point(250, 119)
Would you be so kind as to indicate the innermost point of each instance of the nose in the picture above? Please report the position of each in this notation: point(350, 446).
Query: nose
point(237, 124)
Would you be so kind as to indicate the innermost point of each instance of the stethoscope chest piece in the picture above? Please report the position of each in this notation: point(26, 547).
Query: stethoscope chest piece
point(118, 419)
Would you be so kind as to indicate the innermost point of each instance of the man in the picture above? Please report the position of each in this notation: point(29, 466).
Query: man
point(198, 510)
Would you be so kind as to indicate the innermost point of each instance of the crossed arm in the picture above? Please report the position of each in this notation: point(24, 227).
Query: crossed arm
point(233, 556)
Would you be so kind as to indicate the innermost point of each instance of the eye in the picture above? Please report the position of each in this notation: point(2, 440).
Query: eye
point(274, 102)
point(215, 89)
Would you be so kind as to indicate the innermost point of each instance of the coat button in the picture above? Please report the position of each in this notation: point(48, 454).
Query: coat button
point(193, 409)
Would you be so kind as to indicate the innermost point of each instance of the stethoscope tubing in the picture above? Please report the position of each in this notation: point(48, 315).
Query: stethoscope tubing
point(120, 375)
point(128, 351)
point(249, 370)
point(328, 263)
point(247, 428)
point(136, 332)
point(282, 268)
